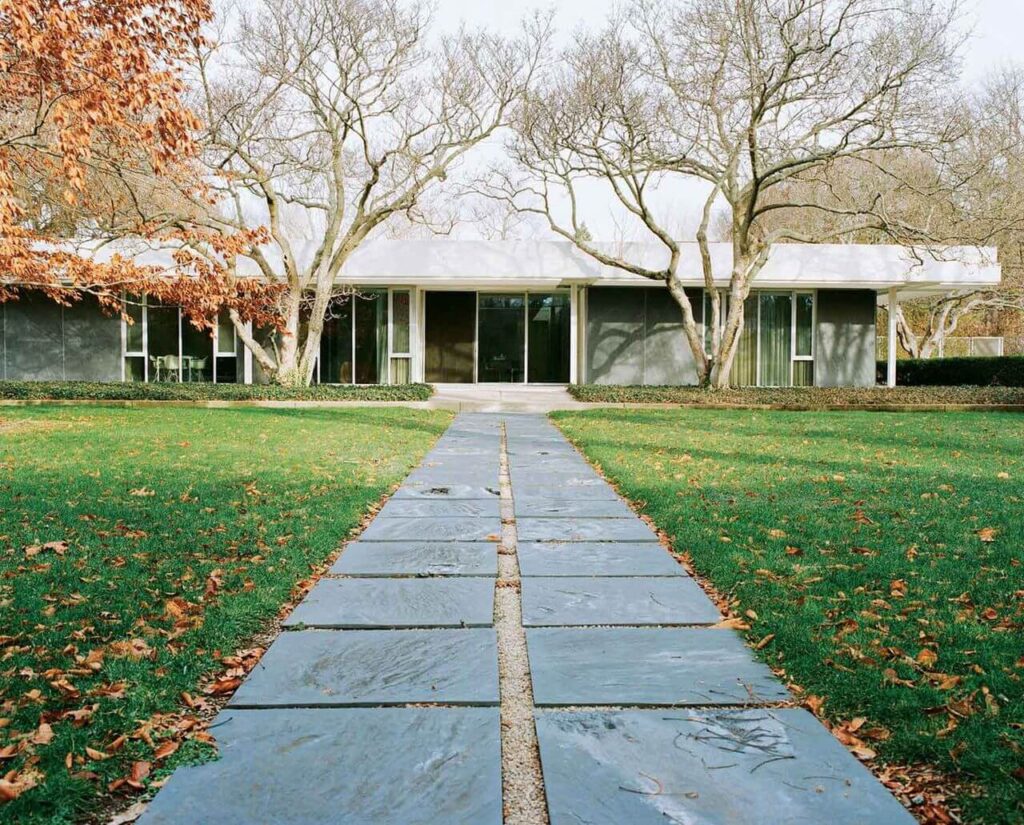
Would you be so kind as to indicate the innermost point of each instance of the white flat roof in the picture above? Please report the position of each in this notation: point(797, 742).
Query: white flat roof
point(449, 263)
point(445, 263)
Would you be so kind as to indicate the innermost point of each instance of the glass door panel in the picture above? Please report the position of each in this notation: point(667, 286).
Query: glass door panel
point(336, 343)
point(501, 338)
point(162, 334)
point(197, 352)
point(548, 337)
point(776, 339)
point(371, 310)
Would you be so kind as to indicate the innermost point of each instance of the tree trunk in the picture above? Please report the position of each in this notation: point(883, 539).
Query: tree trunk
point(693, 333)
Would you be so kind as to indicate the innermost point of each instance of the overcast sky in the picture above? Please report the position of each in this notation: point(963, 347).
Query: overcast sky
point(997, 39)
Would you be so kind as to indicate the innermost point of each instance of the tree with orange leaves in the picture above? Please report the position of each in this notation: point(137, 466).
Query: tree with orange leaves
point(89, 92)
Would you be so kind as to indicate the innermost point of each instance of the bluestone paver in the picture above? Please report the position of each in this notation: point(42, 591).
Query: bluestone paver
point(418, 558)
point(345, 766)
point(435, 528)
point(381, 603)
point(584, 529)
point(632, 666)
point(430, 508)
point(741, 767)
point(569, 601)
point(436, 490)
point(596, 559)
point(313, 668)
point(587, 508)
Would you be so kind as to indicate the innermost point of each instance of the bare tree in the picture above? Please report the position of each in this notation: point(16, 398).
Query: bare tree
point(325, 121)
point(746, 96)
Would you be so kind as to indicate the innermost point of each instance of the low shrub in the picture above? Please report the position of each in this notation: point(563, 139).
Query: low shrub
point(1006, 371)
point(90, 391)
point(800, 397)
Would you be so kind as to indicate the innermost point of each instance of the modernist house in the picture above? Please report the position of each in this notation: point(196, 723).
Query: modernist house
point(537, 312)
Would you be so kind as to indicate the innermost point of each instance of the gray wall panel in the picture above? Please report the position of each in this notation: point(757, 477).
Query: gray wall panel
point(32, 337)
point(92, 343)
point(635, 336)
point(615, 326)
point(845, 355)
point(667, 355)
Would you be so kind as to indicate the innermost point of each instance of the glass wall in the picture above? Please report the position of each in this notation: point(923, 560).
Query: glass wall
point(354, 343)
point(161, 344)
point(776, 347)
point(501, 338)
point(548, 339)
point(401, 350)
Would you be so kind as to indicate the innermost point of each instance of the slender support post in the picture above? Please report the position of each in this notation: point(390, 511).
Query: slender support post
point(574, 313)
point(891, 340)
point(247, 358)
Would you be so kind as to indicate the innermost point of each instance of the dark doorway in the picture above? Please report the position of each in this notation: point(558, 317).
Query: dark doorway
point(450, 330)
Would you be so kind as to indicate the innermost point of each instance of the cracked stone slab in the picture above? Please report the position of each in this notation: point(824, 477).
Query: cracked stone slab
point(348, 766)
point(418, 558)
point(647, 666)
point(447, 491)
point(742, 767)
point(529, 479)
point(322, 668)
point(567, 508)
point(443, 508)
point(552, 602)
point(433, 529)
point(382, 603)
point(584, 529)
point(596, 559)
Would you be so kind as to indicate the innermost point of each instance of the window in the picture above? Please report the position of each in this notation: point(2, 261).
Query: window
point(776, 347)
point(162, 344)
point(401, 357)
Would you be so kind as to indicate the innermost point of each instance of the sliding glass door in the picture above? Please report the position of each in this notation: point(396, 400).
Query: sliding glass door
point(523, 337)
point(501, 338)
point(775, 356)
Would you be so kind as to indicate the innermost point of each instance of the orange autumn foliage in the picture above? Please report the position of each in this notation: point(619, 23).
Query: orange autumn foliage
point(87, 90)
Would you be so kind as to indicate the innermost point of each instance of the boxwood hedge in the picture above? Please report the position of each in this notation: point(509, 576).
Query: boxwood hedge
point(803, 397)
point(1006, 371)
point(89, 391)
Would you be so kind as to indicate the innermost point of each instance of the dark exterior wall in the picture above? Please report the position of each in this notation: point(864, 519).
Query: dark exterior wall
point(635, 336)
point(845, 338)
point(43, 341)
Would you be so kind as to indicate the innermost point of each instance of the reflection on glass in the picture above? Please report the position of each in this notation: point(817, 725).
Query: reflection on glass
point(804, 319)
point(548, 337)
point(225, 335)
point(135, 368)
point(135, 338)
point(502, 336)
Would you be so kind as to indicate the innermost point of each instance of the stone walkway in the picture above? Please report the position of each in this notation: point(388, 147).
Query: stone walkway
point(384, 702)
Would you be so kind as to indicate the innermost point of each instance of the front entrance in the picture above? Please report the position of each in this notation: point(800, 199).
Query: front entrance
point(497, 338)
point(449, 337)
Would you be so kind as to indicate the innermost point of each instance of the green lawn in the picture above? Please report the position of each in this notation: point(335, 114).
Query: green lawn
point(139, 549)
point(883, 551)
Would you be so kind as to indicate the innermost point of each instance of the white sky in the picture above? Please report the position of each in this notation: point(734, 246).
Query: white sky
point(998, 39)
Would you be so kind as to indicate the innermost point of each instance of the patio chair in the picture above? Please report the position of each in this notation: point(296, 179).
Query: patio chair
point(197, 369)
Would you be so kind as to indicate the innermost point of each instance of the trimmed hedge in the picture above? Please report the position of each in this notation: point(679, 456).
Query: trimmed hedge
point(1004, 371)
point(90, 391)
point(800, 397)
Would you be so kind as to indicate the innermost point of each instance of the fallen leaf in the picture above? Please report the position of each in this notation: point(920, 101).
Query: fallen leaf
point(987, 534)
point(166, 749)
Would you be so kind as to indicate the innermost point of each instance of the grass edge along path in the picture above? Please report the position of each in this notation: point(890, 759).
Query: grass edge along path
point(873, 558)
point(141, 552)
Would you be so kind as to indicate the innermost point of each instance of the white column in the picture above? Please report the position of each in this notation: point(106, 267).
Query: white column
point(574, 310)
point(247, 357)
point(891, 339)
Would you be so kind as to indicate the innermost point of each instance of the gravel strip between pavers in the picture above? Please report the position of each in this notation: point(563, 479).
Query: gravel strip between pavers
point(523, 796)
